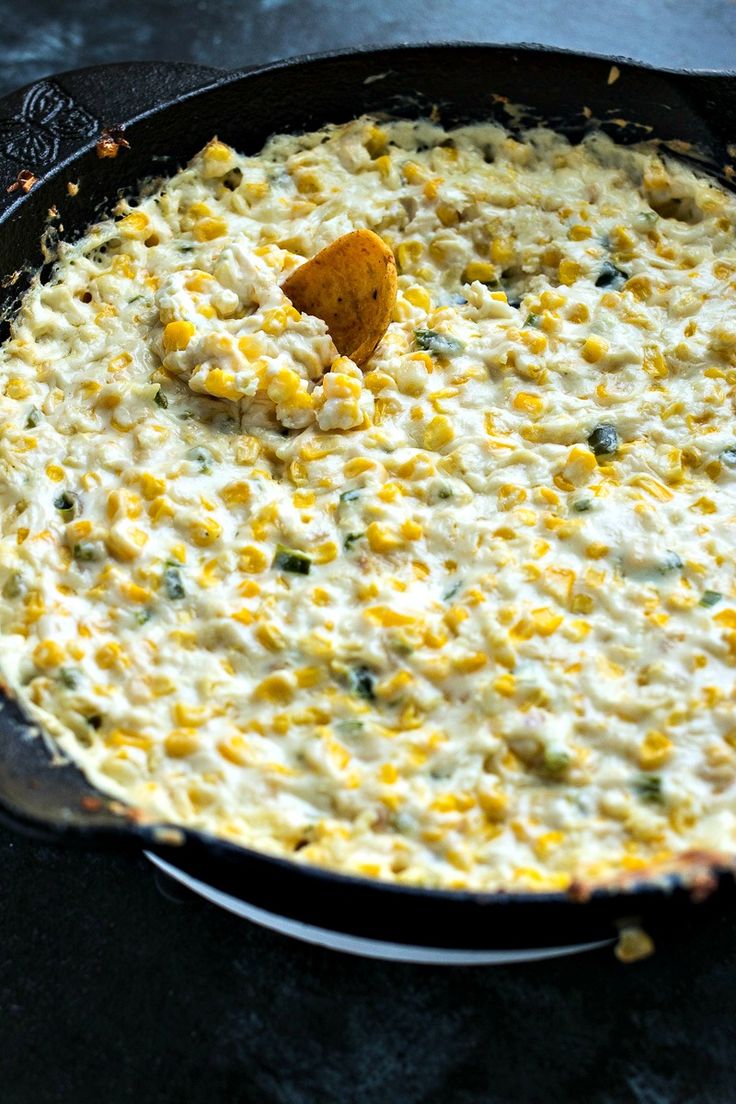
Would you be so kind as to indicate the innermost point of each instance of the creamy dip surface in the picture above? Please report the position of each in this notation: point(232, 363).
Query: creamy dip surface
point(464, 618)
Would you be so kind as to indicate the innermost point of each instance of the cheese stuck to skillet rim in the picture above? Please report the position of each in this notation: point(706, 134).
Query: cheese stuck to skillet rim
point(466, 618)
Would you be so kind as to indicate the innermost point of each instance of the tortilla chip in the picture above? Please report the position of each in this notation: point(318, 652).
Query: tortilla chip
point(351, 284)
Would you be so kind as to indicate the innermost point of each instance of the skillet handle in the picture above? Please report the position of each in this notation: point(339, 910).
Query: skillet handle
point(44, 123)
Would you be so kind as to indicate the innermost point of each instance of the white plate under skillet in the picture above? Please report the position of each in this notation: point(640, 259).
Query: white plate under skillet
point(357, 945)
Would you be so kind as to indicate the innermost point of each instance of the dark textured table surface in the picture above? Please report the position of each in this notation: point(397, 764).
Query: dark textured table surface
point(114, 987)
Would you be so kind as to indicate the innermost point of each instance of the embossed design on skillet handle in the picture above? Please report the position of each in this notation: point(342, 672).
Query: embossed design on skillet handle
point(45, 123)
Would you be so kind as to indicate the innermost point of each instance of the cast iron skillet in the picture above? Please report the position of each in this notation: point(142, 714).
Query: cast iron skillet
point(170, 111)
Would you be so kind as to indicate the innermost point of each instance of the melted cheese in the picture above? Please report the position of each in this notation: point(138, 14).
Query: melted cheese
point(465, 618)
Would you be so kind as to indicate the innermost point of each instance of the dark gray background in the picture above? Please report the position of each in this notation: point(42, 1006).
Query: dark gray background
point(112, 989)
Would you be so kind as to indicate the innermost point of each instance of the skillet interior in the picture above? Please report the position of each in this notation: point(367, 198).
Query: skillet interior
point(463, 83)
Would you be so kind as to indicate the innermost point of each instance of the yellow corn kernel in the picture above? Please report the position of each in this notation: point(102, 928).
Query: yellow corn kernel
point(235, 494)
point(536, 342)
point(388, 774)
point(111, 655)
point(256, 189)
point(325, 552)
point(133, 224)
point(640, 287)
point(54, 473)
point(209, 228)
point(121, 266)
point(383, 165)
point(307, 677)
point(181, 742)
point(251, 346)
point(466, 664)
point(78, 530)
point(480, 270)
point(388, 617)
point(447, 213)
point(653, 487)
point(419, 297)
point(654, 363)
point(413, 173)
point(569, 271)
point(252, 560)
point(547, 842)
point(276, 687)
point(394, 685)
point(437, 433)
point(558, 581)
point(204, 531)
point(495, 805)
point(234, 749)
point(528, 403)
point(502, 252)
point(177, 336)
point(221, 384)
point(453, 803)
point(655, 750)
point(381, 539)
point(358, 466)
point(135, 593)
point(281, 723)
point(151, 485)
point(217, 151)
point(579, 466)
point(551, 300)
point(545, 621)
point(408, 253)
point(434, 639)
point(160, 508)
point(189, 716)
point(17, 388)
point(411, 530)
point(455, 617)
point(122, 503)
point(622, 237)
point(389, 492)
point(594, 348)
point(579, 233)
point(243, 616)
point(727, 618)
point(48, 654)
point(126, 545)
point(505, 685)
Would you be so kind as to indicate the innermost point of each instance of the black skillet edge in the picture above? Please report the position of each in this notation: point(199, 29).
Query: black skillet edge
point(55, 802)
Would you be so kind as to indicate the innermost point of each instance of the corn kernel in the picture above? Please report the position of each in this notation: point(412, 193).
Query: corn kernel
point(594, 348)
point(381, 539)
point(569, 271)
point(181, 743)
point(252, 560)
point(221, 384)
point(177, 336)
point(111, 655)
point(545, 621)
point(437, 433)
point(655, 750)
point(204, 531)
point(207, 229)
point(276, 687)
point(411, 530)
point(466, 664)
point(528, 403)
point(48, 654)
